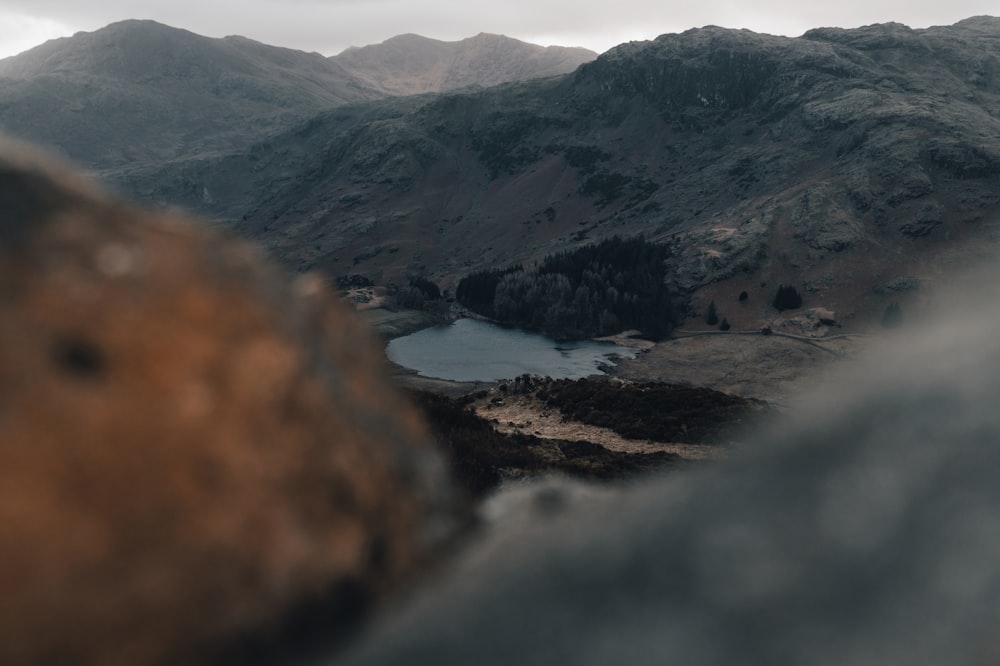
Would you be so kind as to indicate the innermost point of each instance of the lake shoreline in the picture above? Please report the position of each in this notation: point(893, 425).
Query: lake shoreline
point(479, 351)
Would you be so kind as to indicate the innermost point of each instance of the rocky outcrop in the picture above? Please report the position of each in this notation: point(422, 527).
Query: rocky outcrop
point(193, 448)
point(713, 253)
point(814, 323)
point(823, 225)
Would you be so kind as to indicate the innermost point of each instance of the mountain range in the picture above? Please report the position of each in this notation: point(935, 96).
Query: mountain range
point(859, 165)
point(411, 64)
point(138, 92)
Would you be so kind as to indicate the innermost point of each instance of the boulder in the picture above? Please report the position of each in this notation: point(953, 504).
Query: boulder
point(814, 323)
point(193, 446)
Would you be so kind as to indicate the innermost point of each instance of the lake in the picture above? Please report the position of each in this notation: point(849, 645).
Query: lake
point(470, 350)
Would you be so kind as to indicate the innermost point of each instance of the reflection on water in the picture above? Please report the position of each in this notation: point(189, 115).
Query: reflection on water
point(473, 350)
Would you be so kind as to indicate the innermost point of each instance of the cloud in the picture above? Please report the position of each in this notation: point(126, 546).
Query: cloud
point(20, 32)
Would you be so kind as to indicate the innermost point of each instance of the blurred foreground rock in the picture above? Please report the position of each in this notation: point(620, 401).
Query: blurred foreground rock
point(193, 448)
point(866, 530)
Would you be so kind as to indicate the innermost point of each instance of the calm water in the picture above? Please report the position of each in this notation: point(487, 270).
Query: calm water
point(472, 350)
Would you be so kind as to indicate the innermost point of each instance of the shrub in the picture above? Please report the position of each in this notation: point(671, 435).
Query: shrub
point(711, 316)
point(427, 288)
point(893, 316)
point(787, 298)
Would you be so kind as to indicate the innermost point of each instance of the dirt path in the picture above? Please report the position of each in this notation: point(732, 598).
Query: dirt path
point(525, 414)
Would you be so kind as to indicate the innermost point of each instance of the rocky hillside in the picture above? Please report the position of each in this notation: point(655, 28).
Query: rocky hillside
point(137, 92)
point(858, 165)
point(411, 64)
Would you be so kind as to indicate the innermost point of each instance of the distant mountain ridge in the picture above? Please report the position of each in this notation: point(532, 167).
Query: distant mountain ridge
point(411, 64)
point(138, 93)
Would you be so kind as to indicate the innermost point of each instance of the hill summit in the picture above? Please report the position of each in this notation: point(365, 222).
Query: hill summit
point(138, 92)
point(411, 64)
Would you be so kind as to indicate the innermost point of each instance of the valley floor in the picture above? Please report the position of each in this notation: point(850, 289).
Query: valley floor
point(770, 368)
point(773, 368)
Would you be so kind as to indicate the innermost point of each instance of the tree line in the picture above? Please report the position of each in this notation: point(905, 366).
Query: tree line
point(594, 290)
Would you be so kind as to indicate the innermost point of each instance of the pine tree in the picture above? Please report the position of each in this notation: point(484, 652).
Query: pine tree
point(893, 316)
point(787, 298)
point(711, 317)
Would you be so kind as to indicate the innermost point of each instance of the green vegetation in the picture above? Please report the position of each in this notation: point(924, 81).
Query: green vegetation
point(476, 291)
point(429, 290)
point(711, 316)
point(893, 316)
point(501, 139)
point(787, 298)
point(608, 186)
point(421, 294)
point(598, 289)
point(480, 456)
point(652, 410)
point(585, 158)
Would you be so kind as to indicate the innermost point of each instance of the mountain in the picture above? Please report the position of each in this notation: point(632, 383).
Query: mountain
point(411, 64)
point(137, 92)
point(857, 165)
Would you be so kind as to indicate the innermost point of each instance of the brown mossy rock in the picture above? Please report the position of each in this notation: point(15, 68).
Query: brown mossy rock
point(192, 446)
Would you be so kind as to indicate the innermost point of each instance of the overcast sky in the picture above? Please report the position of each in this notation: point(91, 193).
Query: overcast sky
point(329, 26)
